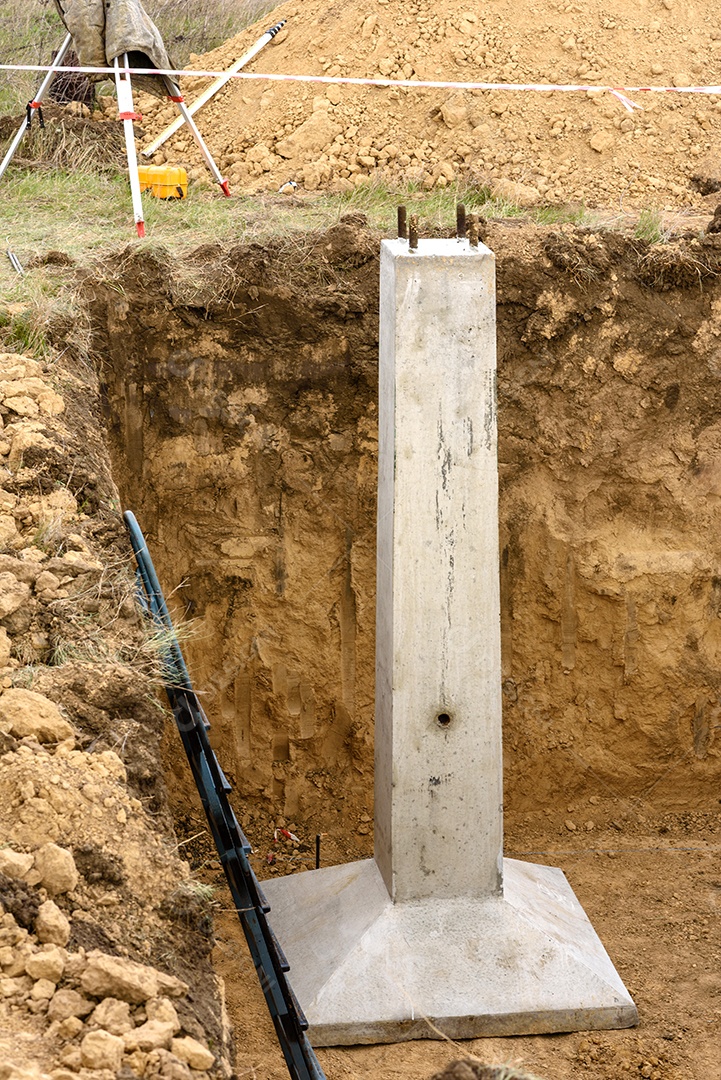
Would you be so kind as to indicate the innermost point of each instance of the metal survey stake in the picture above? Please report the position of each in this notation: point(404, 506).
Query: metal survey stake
point(460, 221)
point(213, 89)
point(15, 262)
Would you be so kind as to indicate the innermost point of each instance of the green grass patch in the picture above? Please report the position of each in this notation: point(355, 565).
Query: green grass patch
point(83, 214)
point(650, 227)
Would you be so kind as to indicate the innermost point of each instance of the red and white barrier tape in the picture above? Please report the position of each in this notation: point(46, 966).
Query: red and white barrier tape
point(621, 93)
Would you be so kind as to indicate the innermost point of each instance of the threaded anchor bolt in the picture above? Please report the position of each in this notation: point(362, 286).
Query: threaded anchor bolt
point(413, 232)
point(473, 230)
point(460, 221)
point(402, 223)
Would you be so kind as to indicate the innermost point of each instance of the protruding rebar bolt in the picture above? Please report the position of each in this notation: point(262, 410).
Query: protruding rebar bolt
point(402, 223)
point(413, 232)
point(473, 230)
point(460, 221)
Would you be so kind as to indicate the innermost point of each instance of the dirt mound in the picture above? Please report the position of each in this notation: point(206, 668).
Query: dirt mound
point(95, 904)
point(549, 147)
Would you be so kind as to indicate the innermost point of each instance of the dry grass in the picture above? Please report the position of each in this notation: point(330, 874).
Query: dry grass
point(67, 142)
point(200, 25)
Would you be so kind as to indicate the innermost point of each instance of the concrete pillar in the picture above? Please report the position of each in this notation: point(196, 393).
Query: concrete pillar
point(437, 933)
point(438, 767)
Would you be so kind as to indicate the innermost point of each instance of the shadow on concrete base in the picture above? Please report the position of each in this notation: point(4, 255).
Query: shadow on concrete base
point(366, 970)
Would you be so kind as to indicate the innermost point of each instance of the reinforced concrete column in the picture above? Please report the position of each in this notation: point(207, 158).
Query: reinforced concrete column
point(438, 766)
point(437, 935)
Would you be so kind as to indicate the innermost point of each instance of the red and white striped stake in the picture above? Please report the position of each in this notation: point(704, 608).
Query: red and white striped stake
point(126, 113)
point(185, 115)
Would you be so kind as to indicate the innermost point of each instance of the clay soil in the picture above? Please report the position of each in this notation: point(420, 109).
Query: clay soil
point(239, 391)
point(527, 147)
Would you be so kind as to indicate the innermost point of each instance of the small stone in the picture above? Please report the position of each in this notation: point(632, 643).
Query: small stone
point(51, 925)
point(47, 582)
point(311, 137)
point(43, 990)
point(681, 78)
point(193, 1052)
point(69, 1028)
point(14, 864)
point(22, 405)
point(8, 532)
point(49, 964)
point(50, 403)
point(5, 647)
point(101, 1050)
point(162, 1063)
point(513, 192)
point(24, 713)
point(111, 976)
point(454, 112)
point(602, 141)
point(114, 1016)
point(56, 867)
point(71, 1057)
point(570, 825)
point(137, 1061)
point(13, 594)
point(163, 1010)
point(152, 1035)
point(66, 1003)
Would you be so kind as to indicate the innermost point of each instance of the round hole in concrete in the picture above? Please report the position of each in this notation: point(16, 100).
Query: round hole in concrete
point(443, 719)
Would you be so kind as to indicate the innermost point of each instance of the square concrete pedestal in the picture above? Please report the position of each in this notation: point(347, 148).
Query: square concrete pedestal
point(438, 935)
point(367, 970)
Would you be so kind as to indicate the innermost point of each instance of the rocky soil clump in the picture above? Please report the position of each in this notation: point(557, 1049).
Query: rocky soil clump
point(98, 980)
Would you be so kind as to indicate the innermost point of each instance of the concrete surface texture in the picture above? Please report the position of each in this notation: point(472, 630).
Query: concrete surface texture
point(438, 771)
point(367, 970)
point(427, 940)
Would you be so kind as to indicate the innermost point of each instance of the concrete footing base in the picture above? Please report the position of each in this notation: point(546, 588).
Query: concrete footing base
point(366, 970)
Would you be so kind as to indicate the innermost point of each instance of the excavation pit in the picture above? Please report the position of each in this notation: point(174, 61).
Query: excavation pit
point(241, 406)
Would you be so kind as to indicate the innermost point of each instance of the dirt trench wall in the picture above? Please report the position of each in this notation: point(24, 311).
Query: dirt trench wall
point(241, 409)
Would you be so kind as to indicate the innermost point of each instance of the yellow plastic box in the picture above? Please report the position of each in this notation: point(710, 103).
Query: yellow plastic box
point(164, 181)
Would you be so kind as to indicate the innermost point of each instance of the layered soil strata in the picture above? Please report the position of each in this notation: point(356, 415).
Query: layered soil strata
point(241, 400)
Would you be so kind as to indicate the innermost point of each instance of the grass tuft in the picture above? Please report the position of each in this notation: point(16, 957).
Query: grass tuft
point(650, 228)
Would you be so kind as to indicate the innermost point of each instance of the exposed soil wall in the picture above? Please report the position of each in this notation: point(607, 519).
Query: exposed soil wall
point(241, 401)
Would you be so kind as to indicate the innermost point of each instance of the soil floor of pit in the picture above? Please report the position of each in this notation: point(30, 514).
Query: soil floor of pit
point(652, 890)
